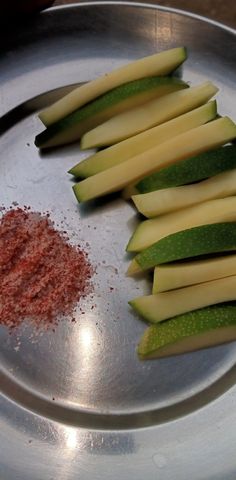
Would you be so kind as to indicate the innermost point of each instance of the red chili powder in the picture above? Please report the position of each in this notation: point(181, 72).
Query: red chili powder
point(42, 277)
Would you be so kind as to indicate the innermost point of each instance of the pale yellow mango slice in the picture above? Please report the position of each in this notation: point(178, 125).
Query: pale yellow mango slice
point(165, 305)
point(213, 211)
point(152, 113)
point(183, 274)
point(118, 153)
point(187, 144)
point(158, 64)
point(172, 199)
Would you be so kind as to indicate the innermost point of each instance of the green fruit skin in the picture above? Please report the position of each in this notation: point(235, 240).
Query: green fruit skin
point(104, 102)
point(191, 170)
point(197, 241)
point(191, 324)
point(162, 64)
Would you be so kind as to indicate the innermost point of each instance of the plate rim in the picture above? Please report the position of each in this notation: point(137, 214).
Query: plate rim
point(127, 3)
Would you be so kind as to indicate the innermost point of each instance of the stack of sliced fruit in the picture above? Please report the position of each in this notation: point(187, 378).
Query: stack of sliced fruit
point(166, 151)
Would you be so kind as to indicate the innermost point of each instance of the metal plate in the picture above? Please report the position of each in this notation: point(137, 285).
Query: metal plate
point(78, 403)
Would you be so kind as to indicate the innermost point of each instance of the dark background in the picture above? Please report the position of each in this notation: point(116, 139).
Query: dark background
point(221, 10)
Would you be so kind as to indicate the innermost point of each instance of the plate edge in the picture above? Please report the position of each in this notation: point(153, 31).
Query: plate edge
point(162, 8)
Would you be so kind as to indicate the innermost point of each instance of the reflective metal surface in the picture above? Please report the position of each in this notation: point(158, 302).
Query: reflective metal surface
point(77, 402)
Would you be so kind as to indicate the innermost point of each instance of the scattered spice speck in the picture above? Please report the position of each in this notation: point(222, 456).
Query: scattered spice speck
point(42, 276)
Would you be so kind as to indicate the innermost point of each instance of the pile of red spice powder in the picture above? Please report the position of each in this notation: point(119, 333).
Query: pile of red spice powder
point(42, 277)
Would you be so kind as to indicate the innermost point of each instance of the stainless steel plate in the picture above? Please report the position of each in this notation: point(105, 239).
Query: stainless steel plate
point(78, 403)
